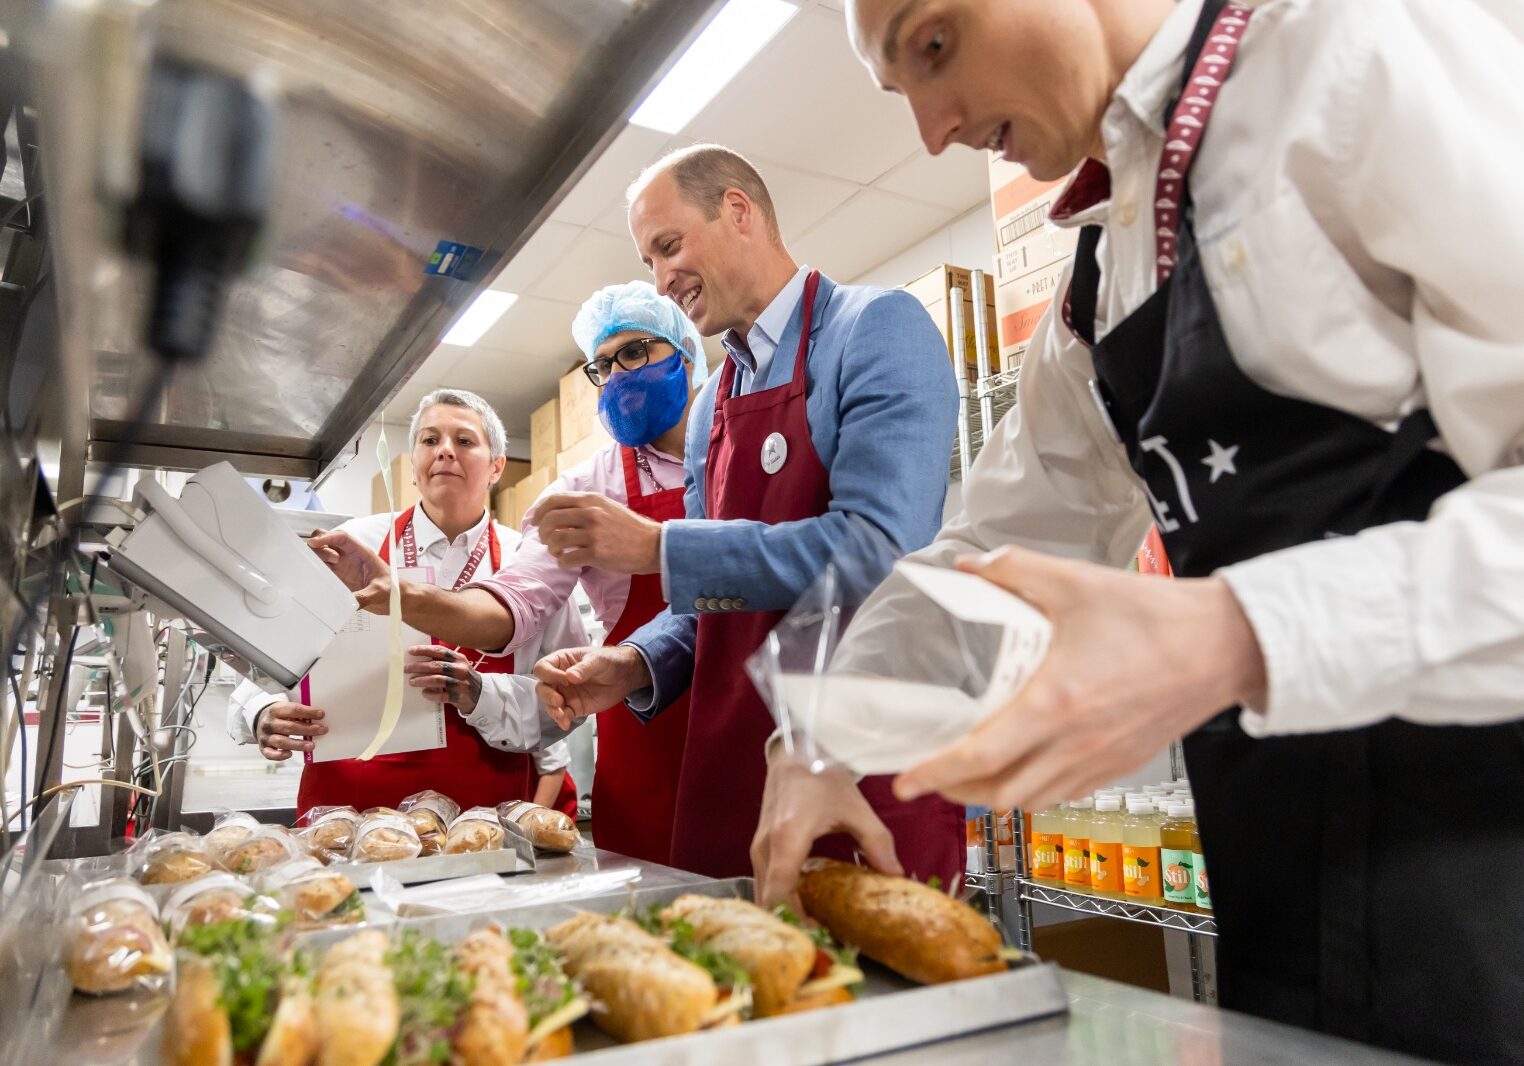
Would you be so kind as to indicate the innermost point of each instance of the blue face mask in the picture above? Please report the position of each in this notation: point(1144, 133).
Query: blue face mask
point(637, 406)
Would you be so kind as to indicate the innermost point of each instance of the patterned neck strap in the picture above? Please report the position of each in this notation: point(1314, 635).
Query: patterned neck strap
point(1187, 125)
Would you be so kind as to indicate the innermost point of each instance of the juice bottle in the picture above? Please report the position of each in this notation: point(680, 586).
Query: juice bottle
point(1005, 840)
point(1203, 894)
point(1106, 848)
point(1140, 853)
point(1176, 840)
point(1077, 844)
point(1048, 845)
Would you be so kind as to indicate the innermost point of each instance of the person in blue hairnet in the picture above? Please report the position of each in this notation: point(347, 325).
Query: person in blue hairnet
point(645, 358)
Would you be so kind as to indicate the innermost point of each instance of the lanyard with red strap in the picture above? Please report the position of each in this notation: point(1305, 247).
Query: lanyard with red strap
point(410, 551)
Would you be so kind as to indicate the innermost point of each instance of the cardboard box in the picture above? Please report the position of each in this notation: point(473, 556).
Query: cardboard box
point(583, 449)
point(545, 435)
point(526, 492)
point(579, 408)
point(514, 471)
point(934, 289)
point(504, 509)
point(1031, 253)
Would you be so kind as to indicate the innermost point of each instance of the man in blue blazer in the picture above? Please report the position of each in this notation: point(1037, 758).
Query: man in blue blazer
point(824, 438)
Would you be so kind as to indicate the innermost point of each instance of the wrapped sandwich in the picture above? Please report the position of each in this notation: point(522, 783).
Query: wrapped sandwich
point(217, 897)
point(552, 999)
point(230, 829)
point(547, 829)
point(115, 940)
point(315, 897)
point(266, 846)
point(169, 858)
point(474, 830)
point(329, 832)
point(240, 997)
point(384, 835)
point(789, 970)
point(911, 928)
point(431, 814)
point(640, 988)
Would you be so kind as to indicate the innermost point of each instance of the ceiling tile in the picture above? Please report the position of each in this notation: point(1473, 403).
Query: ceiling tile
point(801, 198)
point(865, 231)
point(542, 250)
point(605, 181)
point(595, 259)
point(807, 101)
point(537, 326)
point(958, 178)
point(615, 220)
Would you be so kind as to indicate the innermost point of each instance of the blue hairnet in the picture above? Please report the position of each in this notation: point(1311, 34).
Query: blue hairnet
point(637, 305)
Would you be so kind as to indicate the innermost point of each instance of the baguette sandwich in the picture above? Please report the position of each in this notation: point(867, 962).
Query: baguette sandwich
point(788, 969)
point(547, 829)
point(912, 928)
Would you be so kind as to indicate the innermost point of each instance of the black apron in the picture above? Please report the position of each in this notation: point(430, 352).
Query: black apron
point(1368, 882)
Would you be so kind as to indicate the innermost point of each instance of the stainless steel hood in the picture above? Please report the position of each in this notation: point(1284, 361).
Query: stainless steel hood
point(402, 123)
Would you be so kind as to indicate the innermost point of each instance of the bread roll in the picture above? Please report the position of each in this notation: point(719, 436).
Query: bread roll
point(475, 830)
point(116, 942)
point(356, 1003)
point(494, 1029)
point(196, 1028)
point(384, 836)
point(641, 990)
point(775, 955)
point(547, 829)
point(911, 928)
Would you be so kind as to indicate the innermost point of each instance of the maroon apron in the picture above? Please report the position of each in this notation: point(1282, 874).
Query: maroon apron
point(719, 798)
point(467, 769)
point(635, 781)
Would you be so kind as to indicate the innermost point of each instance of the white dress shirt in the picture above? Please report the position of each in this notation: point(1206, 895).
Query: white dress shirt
point(1359, 224)
point(507, 714)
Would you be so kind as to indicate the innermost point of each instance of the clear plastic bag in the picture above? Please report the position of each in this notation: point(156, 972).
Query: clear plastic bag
point(115, 940)
point(477, 829)
point(547, 829)
point(160, 858)
point(862, 697)
point(216, 897)
point(384, 835)
point(431, 814)
point(329, 832)
point(229, 829)
point(316, 897)
point(266, 846)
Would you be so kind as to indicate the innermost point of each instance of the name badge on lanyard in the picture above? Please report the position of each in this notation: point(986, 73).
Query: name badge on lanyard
point(411, 571)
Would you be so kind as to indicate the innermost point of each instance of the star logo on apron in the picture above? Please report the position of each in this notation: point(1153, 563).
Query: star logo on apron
point(774, 453)
point(1220, 461)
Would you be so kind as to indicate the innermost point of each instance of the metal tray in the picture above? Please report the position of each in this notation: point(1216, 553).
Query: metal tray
point(515, 857)
point(890, 1014)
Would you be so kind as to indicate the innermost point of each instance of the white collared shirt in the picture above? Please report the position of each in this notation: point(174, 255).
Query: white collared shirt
point(755, 356)
point(1359, 225)
point(507, 715)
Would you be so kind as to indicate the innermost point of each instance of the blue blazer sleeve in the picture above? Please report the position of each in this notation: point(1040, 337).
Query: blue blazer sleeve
point(895, 418)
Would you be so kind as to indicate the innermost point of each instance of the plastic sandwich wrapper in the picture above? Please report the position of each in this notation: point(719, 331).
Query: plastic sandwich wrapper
point(877, 698)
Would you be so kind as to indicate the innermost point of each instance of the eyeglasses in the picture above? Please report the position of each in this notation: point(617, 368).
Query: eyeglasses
point(631, 356)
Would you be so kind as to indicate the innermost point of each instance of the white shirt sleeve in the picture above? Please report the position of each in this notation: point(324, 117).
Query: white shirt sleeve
point(553, 758)
point(1052, 478)
point(244, 704)
point(1423, 621)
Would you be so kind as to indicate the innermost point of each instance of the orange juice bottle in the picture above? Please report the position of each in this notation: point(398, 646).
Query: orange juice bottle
point(1106, 847)
point(1140, 852)
point(1176, 837)
point(1077, 845)
point(1048, 845)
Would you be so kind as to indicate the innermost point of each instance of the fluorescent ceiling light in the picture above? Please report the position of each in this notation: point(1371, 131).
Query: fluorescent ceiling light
point(478, 318)
point(738, 32)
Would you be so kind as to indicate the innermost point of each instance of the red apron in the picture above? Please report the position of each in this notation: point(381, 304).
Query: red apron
point(635, 781)
point(719, 797)
point(467, 769)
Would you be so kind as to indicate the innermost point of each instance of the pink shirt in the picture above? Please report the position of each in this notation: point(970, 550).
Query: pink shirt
point(532, 584)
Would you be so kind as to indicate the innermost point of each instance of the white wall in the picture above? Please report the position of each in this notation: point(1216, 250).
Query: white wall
point(967, 241)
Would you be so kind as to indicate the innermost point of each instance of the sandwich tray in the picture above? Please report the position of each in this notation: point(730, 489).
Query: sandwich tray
point(891, 1013)
point(516, 856)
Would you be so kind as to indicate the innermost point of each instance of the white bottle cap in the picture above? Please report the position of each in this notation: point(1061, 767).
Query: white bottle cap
point(1181, 810)
point(1081, 804)
point(1108, 803)
point(1140, 805)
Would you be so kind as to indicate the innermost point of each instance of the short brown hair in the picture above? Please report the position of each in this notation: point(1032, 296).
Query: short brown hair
point(703, 173)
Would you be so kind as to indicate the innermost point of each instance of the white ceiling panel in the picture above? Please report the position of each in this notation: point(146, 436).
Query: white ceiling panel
point(807, 102)
point(542, 250)
point(802, 198)
point(615, 220)
point(605, 181)
point(538, 327)
point(866, 230)
point(959, 178)
point(595, 259)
